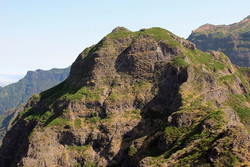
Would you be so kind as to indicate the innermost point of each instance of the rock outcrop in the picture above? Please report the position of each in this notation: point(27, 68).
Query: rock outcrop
point(145, 98)
point(233, 40)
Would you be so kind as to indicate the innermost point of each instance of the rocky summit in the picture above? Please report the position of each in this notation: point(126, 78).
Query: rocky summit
point(233, 40)
point(145, 98)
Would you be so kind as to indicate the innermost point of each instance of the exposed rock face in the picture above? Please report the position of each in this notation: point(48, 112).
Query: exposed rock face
point(136, 99)
point(233, 40)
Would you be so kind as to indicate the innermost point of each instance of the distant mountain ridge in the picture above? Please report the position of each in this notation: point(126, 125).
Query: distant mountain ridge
point(233, 40)
point(33, 82)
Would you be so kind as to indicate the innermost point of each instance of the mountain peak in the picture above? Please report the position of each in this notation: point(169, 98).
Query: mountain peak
point(248, 17)
point(135, 99)
point(231, 39)
point(206, 27)
point(120, 29)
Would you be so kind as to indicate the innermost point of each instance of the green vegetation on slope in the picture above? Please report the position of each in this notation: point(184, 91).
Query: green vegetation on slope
point(165, 118)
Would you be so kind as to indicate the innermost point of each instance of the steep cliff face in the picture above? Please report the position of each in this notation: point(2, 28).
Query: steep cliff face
point(146, 98)
point(233, 40)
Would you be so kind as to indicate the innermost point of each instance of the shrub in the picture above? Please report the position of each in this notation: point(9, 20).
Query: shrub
point(132, 150)
point(179, 61)
point(78, 123)
point(93, 120)
point(58, 122)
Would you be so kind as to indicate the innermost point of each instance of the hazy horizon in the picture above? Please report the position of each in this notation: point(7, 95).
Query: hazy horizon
point(6, 79)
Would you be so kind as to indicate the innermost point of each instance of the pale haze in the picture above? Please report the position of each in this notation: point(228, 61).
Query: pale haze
point(50, 34)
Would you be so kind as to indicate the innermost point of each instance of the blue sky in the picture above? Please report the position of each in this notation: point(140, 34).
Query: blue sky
point(37, 34)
